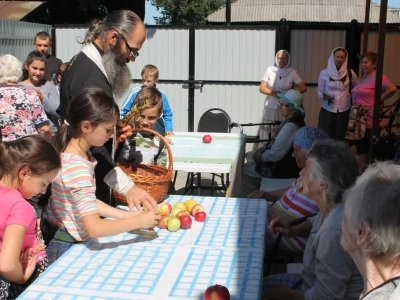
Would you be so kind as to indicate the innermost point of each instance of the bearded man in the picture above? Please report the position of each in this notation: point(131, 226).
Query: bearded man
point(108, 46)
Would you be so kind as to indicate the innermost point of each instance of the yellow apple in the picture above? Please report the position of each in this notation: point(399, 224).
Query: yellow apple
point(165, 209)
point(190, 203)
point(175, 211)
point(180, 205)
point(182, 213)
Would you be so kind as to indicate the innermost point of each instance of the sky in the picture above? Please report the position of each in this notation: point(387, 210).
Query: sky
point(151, 11)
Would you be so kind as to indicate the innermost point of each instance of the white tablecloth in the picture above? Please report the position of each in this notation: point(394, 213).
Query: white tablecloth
point(227, 249)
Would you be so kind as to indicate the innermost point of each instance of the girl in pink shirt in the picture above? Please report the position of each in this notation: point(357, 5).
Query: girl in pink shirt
point(27, 166)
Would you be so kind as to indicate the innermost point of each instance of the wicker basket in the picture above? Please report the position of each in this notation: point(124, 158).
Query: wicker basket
point(152, 178)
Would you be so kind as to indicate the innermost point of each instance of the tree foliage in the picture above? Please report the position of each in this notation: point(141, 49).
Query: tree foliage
point(185, 12)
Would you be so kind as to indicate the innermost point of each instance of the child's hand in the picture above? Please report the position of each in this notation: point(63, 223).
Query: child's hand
point(169, 133)
point(149, 219)
point(124, 133)
point(28, 262)
point(40, 95)
point(131, 214)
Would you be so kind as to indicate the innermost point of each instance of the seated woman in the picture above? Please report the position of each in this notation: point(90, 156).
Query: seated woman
point(371, 230)
point(291, 203)
point(329, 272)
point(21, 112)
point(274, 159)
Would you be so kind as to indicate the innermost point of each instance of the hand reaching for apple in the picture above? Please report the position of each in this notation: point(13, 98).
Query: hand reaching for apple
point(148, 219)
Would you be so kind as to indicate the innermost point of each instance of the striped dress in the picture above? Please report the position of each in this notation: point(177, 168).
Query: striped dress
point(297, 205)
point(73, 195)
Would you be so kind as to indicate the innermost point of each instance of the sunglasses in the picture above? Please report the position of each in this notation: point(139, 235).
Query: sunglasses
point(134, 53)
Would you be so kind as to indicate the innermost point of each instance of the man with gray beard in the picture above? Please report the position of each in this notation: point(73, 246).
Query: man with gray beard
point(108, 46)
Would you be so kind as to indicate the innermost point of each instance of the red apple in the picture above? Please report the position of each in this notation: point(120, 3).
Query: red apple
point(200, 216)
point(207, 139)
point(216, 292)
point(163, 222)
point(196, 209)
point(186, 221)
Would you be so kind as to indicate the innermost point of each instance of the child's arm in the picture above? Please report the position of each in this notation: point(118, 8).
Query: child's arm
point(97, 227)
point(10, 264)
point(108, 211)
point(167, 115)
point(128, 103)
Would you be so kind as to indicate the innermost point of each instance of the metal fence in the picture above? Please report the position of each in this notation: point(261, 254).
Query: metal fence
point(16, 37)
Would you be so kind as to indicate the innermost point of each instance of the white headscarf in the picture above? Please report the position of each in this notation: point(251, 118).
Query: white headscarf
point(332, 70)
point(282, 72)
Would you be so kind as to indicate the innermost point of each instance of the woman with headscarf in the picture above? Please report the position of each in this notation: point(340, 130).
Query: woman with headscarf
point(334, 86)
point(277, 79)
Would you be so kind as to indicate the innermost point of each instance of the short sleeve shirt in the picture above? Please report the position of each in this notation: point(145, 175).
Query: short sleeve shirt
point(73, 195)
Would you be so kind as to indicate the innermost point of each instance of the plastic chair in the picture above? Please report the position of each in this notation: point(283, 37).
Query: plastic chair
point(276, 256)
point(213, 120)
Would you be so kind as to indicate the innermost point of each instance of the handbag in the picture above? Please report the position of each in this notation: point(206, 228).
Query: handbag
point(357, 122)
point(266, 169)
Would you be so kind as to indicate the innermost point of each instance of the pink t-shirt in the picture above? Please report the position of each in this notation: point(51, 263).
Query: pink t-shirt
point(16, 210)
point(364, 92)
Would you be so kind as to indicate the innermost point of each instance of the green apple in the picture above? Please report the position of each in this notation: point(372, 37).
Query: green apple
point(173, 224)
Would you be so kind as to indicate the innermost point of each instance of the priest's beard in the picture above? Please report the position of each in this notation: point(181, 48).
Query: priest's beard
point(117, 71)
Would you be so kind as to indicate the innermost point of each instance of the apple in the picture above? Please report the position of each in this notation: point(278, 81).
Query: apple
point(186, 221)
point(200, 216)
point(180, 205)
point(163, 222)
point(190, 203)
point(207, 139)
point(173, 224)
point(196, 208)
point(216, 292)
point(175, 211)
point(182, 213)
point(165, 209)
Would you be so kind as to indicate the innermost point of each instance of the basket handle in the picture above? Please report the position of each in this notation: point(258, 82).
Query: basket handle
point(169, 150)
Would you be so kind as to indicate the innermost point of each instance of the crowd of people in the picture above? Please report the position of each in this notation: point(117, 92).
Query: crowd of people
point(63, 135)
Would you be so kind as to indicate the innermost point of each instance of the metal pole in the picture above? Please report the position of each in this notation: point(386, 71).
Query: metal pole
point(366, 25)
point(228, 12)
point(378, 78)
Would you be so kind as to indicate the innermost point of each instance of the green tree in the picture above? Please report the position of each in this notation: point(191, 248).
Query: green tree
point(185, 12)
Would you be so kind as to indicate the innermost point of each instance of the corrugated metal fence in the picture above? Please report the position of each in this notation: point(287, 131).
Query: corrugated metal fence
point(16, 37)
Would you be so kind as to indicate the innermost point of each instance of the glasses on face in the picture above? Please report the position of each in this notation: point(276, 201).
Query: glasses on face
point(283, 105)
point(134, 53)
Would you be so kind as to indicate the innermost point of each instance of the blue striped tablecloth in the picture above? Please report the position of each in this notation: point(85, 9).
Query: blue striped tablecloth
point(227, 249)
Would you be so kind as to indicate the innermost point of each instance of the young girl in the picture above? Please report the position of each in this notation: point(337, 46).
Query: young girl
point(33, 72)
point(141, 146)
point(27, 166)
point(73, 213)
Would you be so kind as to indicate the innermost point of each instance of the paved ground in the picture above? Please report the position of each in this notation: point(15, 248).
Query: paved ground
point(205, 181)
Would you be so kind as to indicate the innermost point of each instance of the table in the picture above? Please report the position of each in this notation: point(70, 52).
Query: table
point(227, 249)
point(225, 154)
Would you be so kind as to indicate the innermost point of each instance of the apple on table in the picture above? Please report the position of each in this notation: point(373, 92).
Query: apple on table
point(207, 139)
point(216, 292)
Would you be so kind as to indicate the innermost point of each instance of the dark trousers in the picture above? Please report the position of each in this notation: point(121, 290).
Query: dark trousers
point(334, 124)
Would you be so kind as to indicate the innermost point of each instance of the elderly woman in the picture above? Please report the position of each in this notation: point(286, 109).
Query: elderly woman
point(277, 79)
point(274, 159)
point(291, 203)
point(329, 272)
point(334, 86)
point(21, 112)
point(371, 230)
point(364, 94)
